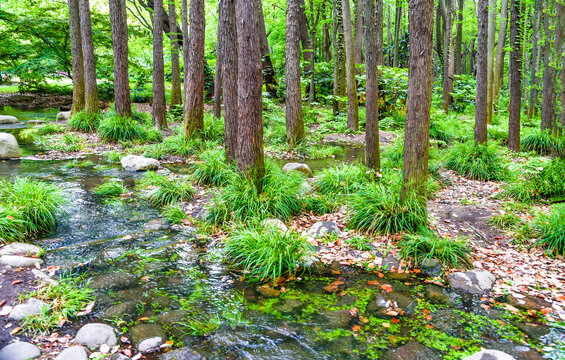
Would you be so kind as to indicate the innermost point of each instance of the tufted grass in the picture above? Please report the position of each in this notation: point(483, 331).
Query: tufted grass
point(451, 253)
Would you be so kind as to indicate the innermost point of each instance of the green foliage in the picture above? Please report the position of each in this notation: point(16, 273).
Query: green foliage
point(13, 226)
point(378, 208)
point(174, 214)
point(362, 243)
point(342, 179)
point(81, 121)
point(115, 128)
point(49, 129)
point(112, 188)
point(393, 90)
point(79, 164)
point(167, 190)
point(546, 183)
point(453, 253)
point(504, 220)
point(542, 142)
point(552, 229)
point(322, 204)
point(463, 92)
point(267, 254)
point(477, 161)
point(212, 168)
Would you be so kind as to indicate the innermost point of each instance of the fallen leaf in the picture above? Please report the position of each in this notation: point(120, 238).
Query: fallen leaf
point(2, 302)
point(395, 320)
point(145, 278)
point(373, 282)
point(6, 310)
point(15, 331)
point(17, 282)
point(386, 325)
point(143, 318)
point(387, 288)
point(104, 348)
point(356, 328)
point(428, 318)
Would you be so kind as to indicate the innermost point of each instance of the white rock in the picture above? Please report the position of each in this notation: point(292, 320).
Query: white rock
point(303, 168)
point(274, 223)
point(8, 119)
point(31, 307)
point(139, 163)
point(63, 115)
point(20, 249)
point(474, 282)
point(73, 353)
point(9, 147)
point(96, 334)
point(322, 228)
point(20, 351)
point(150, 344)
point(490, 355)
point(19, 261)
point(44, 277)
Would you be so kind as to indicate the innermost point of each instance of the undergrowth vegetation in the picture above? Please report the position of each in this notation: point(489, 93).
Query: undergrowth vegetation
point(551, 228)
point(545, 182)
point(451, 253)
point(116, 128)
point(212, 168)
point(81, 121)
point(165, 190)
point(477, 161)
point(111, 188)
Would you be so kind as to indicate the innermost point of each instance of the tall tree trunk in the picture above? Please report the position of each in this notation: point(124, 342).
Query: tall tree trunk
point(379, 32)
point(352, 102)
point(559, 35)
point(159, 106)
point(536, 23)
point(388, 38)
point(194, 96)
point(176, 94)
point(314, 22)
point(228, 53)
point(459, 39)
point(372, 154)
point(359, 32)
point(91, 104)
point(118, 20)
point(490, 58)
point(76, 57)
point(439, 34)
point(416, 135)
point(339, 90)
point(326, 39)
point(499, 65)
point(548, 86)
point(447, 55)
point(218, 75)
point(397, 21)
point(269, 76)
point(515, 76)
point(472, 59)
point(294, 119)
point(250, 157)
point(184, 13)
point(481, 101)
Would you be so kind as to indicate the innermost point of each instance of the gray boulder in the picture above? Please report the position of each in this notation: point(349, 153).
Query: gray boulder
point(8, 119)
point(146, 337)
point(114, 281)
point(473, 282)
point(9, 147)
point(126, 311)
point(139, 163)
point(96, 334)
point(73, 353)
point(274, 224)
point(20, 351)
point(323, 228)
point(182, 354)
point(303, 168)
point(31, 307)
point(412, 350)
point(20, 249)
point(490, 355)
point(63, 115)
point(19, 261)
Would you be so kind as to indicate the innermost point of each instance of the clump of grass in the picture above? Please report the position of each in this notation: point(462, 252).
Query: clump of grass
point(453, 253)
point(266, 254)
point(342, 179)
point(67, 299)
point(112, 188)
point(504, 221)
point(477, 161)
point(167, 191)
point(551, 228)
point(322, 204)
point(116, 128)
point(378, 208)
point(13, 227)
point(79, 164)
point(240, 200)
point(174, 214)
point(212, 168)
point(542, 142)
point(49, 129)
point(546, 183)
point(81, 121)
point(113, 156)
point(362, 243)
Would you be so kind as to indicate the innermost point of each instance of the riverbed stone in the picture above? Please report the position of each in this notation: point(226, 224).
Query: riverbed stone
point(73, 353)
point(114, 281)
point(338, 318)
point(19, 261)
point(9, 148)
point(63, 115)
point(490, 355)
point(172, 317)
point(31, 307)
point(268, 291)
point(20, 249)
point(302, 168)
point(288, 306)
point(96, 334)
point(431, 267)
point(20, 351)
point(526, 302)
point(125, 310)
point(412, 350)
point(182, 354)
point(138, 163)
point(474, 282)
point(36, 122)
point(391, 262)
point(146, 337)
point(274, 224)
point(437, 294)
point(322, 228)
point(8, 119)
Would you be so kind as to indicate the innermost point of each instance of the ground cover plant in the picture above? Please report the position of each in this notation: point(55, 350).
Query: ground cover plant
point(477, 162)
point(212, 168)
point(165, 190)
point(111, 188)
point(451, 253)
point(551, 227)
point(81, 121)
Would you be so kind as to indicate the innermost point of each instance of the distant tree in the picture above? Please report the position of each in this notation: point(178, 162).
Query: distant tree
point(372, 154)
point(515, 75)
point(269, 76)
point(490, 57)
point(397, 20)
point(481, 102)
point(118, 20)
point(90, 86)
point(359, 32)
point(76, 57)
point(352, 106)
point(176, 95)
point(339, 88)
point(159, 106)
point(294, 119)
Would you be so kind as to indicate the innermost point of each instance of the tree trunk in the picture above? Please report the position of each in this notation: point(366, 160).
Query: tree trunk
point(419, 98)
point(176, 95)
point(250, 157)
point(388, 38)
point(269, 76)
point(372, 154)
point(459, 39)
point(548, 86)
point(194, 96)
point(439, 34)
point(397, 31)
point(490, 57)
point(339, 90)
point(447, 57)
point(499, 65)
point(359, 32)
point(515, 76)
point(379, 32)
point(76, 57)
point(294, 119)
point(326, 39)
point(218, 75)
point(118, 20)
point(472, 58)
point(559, 35)
point(536, 23)
point(312, 87)
point(159, 106)
point(91, 104)
point(228, 53)
point(481, 101)
point(352, 102)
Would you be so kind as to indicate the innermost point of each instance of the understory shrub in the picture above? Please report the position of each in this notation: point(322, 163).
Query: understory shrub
point(112, 188)
point(452, 253)
point(212, 168)
point(267, 254)
point(378, 208)
point(541, 142)
point(49, 129)
point(504, 221)
point(116, 128)
point(167, 191)
point(551, 228)
point(81, 121)
point(174, 214)
point(547, 183)
point(322, 204)
point(342, 179)
point(477, 161)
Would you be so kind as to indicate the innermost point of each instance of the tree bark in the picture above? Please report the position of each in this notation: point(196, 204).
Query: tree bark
point(447, 56)
point(397, 19)
point(372, 154)
point(499, 65)
point(352, 108)
point(118, 20)
point(439, 34)
point(515, 76)
point(359, 32)
point(176, 94)
point(91, 104)
point(379, 32)
point(388, 38)
point(339, 90)
point(481, 101)
point(194, 96)
point(294, 119)
point(269, 76)
point(548, 86)
point(250, 157)
point(76, 57)
point(419, 98)
point(218, 75)
point(159, 106)
point(490, 57)
point(326, 38)
point(472, 58)
point(459, 39)
point(184, 10)
point(559, 35)
point(314, 22)
point(536, 23)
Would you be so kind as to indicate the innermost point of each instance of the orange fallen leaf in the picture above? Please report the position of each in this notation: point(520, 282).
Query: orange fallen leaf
point(356, 328)
point(381, 275)
point(430, 326)
point(15, 331)
point(546, 311)
point(145, 278)
point(417, 271)
point(373, 282)
point(387, 288)
point(428, 317)
point(143, 318)
point(395, 320)
point(17, 282)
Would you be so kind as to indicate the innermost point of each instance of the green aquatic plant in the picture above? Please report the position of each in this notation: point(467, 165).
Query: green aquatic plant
point(79, 164)
point(167, 190)
point(111, 188)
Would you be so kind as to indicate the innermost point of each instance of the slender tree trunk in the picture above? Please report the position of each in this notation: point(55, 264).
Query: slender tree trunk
point(118, 20)
point(250, 157)
point(388, 38)
point(548, 87)
point(515, 76)
point(159, 106)
point(184, 12)
point(559, 35)
point(359, 32)
point(379, 32)
point(76, 57)
point(447, 58)
point(194, 96)
point(312, 87)
point(499, 65)
point(416, 143)
point(294, 119)
point(269, 76)
point(490, 58)
point(536, 23)
point(397, 20)
point(481, 101)
point(339, 90)
point(352, 108)
point(459, 38)
point(473, 59)
point(91, 104)
point(176, 94)
point(228, 53)
point(439, 34)
point(372, 154)
point(326, 39)
point(218, 76)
